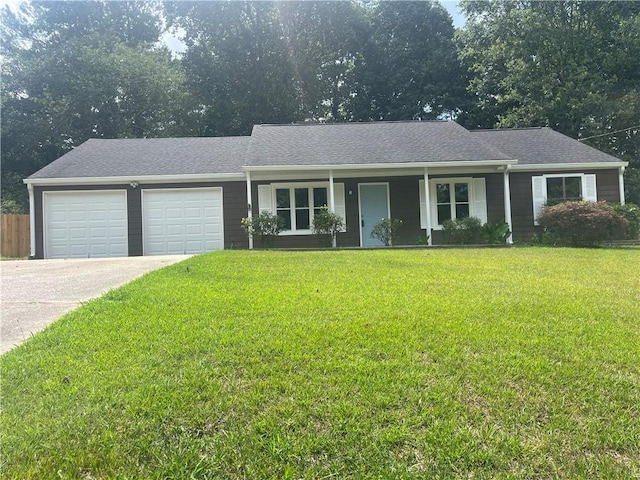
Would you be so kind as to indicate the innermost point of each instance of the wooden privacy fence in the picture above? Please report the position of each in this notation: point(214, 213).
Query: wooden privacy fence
point(15, 236)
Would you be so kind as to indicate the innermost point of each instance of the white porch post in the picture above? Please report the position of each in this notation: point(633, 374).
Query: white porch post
point(332, 202)
point(621, 184)
point(427, 203)
point(507, 202)
point(249, 206)
point(32, 220)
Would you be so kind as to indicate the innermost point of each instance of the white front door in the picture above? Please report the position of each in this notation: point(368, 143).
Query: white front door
point(182, 221)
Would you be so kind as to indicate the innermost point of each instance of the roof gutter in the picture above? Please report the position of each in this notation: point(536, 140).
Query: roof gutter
point(567, 166)
point(205, 177)
point(369, 166)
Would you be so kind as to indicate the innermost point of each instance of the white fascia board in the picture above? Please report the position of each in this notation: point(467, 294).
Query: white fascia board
point(373, 173)
point(377, 166)
point(145, 179)
point(547, 167)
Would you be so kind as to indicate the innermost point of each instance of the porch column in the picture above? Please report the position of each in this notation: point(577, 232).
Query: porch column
point(621, 184)
point(332, 201)
point(427, 213)
point(507, 202)
point(249, 208)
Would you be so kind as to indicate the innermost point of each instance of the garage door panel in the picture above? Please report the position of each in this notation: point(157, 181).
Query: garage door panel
point(85, 224)
point(211, 212)
point(182, 221)
point(193, 212)
point(174, 213)
point(173, 230)
point(194, 229)
point(77, 234)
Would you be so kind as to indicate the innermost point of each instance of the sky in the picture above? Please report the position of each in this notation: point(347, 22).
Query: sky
point(452, 8)
point(176, 46)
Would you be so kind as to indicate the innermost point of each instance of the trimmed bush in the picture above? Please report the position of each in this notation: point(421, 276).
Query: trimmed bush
point(462, 231)
point(386, 230)
point(326, 226)
point(581, 224)
point(264, 227)
point(631, 212)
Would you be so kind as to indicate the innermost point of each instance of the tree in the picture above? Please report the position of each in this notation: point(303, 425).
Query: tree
point(237, 64)
point(410, 68)
point(570, 65)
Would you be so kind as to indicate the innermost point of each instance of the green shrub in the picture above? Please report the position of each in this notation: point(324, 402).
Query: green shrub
point(11, 207)
point(422, 240)
point(631, 212)
point(462, 231)
point(326, 226)
point(386, 230)
point(581, 224)
point(495, 233)
point(264, 227)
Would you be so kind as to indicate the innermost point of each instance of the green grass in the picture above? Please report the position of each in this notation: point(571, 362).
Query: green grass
point(469, 363)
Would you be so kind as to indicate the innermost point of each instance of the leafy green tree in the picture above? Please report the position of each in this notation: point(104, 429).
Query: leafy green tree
point(237, 64)
point(410, 69)
point(325, 42)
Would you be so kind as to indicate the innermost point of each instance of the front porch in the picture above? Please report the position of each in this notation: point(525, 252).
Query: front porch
point(363, 200)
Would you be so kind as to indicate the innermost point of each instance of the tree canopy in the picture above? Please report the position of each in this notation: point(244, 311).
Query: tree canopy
point(96, 68)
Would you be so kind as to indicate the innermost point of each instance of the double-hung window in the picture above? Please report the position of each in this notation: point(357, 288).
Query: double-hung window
point(298, 203)
point(562, 189)
point(453, 198)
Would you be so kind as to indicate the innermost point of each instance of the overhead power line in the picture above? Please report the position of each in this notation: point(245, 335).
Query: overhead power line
point(608, 133)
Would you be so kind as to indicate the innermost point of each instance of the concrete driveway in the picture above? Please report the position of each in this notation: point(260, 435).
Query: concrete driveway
point(34, 293)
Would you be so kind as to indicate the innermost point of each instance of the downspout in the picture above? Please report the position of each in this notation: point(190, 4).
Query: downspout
point(507, 203)
point(621, 184)
point(32, 220)
point(332, 203)
point(249, 208)
point(427, 207)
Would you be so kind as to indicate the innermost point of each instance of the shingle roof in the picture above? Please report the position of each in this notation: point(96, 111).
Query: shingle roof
point(537, 146)
point(324, 144)
point(153, 156)
point(366, 144)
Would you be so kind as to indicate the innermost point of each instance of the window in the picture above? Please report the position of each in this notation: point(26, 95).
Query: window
point(298, 205)
point(562, 189)
point(553, 188)
point(452, 200)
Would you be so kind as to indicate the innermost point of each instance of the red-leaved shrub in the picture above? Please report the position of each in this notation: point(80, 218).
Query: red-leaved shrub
point(581, 224)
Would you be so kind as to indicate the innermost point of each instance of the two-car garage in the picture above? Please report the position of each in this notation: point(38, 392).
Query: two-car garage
point(94, 223)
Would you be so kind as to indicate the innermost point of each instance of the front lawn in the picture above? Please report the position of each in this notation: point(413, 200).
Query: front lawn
point(469, 363)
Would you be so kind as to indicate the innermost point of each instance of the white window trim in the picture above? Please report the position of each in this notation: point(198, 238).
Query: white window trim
point(434, 199)
point(310, 186)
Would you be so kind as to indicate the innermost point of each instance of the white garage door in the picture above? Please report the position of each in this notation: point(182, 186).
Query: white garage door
point(178, 221)
point(85, 224)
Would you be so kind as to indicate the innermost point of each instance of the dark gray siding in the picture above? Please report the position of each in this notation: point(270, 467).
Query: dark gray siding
point(134, 221)
point(234, 196)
